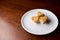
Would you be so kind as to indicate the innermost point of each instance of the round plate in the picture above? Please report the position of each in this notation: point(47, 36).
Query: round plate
point(39, 29)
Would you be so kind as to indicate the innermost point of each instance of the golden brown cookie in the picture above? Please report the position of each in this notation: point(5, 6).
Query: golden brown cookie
point(35, 19)
point(43, 19)
point(40, 14)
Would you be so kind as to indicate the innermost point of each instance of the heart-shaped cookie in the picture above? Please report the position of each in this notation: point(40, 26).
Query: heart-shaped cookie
point(43, 19)
point(39, 14)
point(35, 19)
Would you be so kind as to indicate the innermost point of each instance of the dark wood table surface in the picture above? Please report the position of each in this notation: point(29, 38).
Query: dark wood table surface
point(11, 12)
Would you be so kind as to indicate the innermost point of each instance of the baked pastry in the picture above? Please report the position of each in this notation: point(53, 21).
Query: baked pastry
point(35, 19)
point(40, 14)
point(43, 19)
point(40, 18)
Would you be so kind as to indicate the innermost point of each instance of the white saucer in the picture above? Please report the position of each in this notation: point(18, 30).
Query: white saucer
point(39, 29)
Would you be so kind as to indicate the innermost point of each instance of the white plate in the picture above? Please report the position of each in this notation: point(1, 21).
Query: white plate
point(39, 29)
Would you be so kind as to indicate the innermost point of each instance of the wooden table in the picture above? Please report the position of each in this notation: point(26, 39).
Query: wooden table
point(11, 12)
